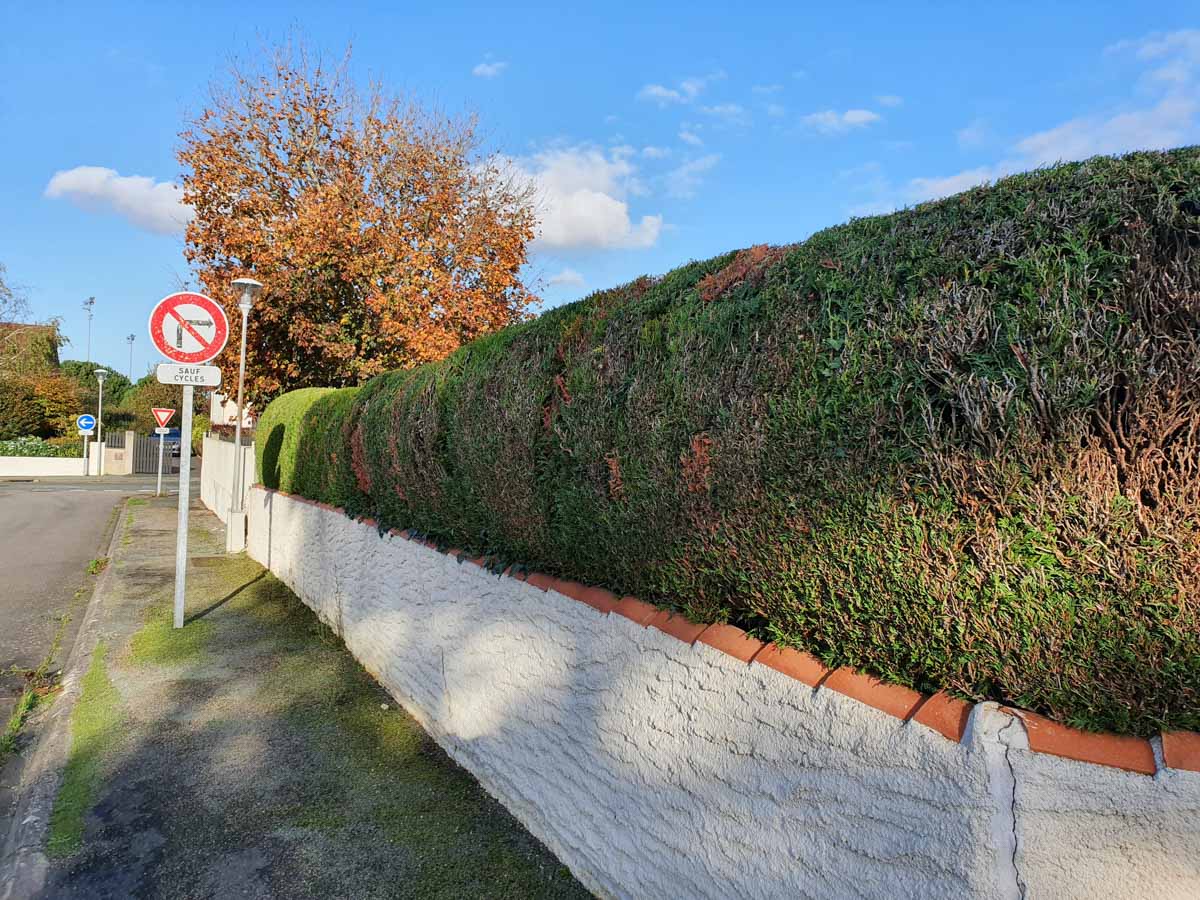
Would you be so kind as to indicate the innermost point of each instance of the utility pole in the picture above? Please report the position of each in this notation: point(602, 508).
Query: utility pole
point(129, 338)
point(87, 308)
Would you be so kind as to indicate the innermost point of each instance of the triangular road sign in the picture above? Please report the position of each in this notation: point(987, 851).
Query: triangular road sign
point(162, 416)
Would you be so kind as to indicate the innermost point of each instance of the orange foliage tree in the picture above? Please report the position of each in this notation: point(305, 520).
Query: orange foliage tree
point(384, 238)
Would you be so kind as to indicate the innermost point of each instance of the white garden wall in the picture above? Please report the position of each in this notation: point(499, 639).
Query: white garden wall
point(655, 768)
point(216, 474)
point(40, 466)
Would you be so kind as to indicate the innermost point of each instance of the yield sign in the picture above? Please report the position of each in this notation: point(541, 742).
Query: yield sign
point(162, 416)
point(188, 328)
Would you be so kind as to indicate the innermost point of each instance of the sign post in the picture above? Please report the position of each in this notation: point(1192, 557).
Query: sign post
point(189, 329)
point(162, 417)
point(85, 423)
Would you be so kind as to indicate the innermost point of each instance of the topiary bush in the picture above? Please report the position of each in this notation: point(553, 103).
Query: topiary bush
point(957, 446)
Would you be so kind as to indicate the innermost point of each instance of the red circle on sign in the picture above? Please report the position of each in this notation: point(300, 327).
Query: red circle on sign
point(195, 340)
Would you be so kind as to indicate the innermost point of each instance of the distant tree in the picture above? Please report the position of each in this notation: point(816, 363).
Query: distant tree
point(83, 374)
point(59, 399)
point(384, 237)
point(20, 414)
point(26, 347)
point(134, 410)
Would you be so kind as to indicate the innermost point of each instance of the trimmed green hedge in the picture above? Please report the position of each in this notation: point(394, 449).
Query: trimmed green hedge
point(957, 446)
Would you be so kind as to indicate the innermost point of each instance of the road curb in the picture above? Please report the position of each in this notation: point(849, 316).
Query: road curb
point(24, 864)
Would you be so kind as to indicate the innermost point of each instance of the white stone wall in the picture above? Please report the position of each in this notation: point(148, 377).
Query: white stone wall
point(41, 466)
point(216, 474)
point(655, 769)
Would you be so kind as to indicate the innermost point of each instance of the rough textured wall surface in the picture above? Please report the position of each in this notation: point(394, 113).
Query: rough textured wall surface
point(657, 769)
point(216, 474)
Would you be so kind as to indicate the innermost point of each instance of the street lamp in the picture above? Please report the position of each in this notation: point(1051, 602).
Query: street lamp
point(87, 308)
point(235, 531)
point(129, 338)
point(100, 374)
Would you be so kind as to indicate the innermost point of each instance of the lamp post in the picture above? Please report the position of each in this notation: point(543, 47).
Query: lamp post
point(235, 532)
point(100, 376)
point(129, 338)
point(87, 308)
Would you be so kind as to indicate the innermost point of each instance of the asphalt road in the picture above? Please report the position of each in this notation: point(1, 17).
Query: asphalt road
point(47, 539)
point(50, 529)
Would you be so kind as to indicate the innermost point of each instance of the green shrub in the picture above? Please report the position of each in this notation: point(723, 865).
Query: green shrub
point(20, 413)
point(957, 446)
point(36, 446)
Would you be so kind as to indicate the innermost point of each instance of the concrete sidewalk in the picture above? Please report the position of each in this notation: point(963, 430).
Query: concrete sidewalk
point(248, 755)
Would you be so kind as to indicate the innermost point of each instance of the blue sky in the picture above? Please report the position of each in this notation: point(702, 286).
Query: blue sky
point(656, 133)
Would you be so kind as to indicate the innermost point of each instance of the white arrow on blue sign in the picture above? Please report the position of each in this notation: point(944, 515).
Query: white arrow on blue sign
point(86, 422)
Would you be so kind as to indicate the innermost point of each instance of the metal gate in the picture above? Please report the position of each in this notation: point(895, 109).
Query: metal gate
point(145, 456)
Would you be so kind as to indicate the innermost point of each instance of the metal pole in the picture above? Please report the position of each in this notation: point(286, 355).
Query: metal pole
point(185, 479)
point(235, 503)
point(86, 464)
point(158, 489)
point(100, 428)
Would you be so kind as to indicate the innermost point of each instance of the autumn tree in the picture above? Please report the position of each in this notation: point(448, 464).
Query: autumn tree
point(383, 236)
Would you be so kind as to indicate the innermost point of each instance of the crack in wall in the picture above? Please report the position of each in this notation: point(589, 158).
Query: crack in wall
point(1012, 774)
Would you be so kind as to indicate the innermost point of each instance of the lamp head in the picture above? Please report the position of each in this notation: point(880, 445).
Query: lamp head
point(249, 290)
point(100, 375)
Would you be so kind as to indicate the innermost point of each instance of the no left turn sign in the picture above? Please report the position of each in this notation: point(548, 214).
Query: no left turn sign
point(188, 328)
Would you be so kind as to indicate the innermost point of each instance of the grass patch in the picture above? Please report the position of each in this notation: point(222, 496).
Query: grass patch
point(462, 842)
point(25, 705)
point(95, 730)
point(160, 643)
point(96, 566)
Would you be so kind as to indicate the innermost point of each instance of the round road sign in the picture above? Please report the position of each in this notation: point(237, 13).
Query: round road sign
point(188, 328)
point(86, 422)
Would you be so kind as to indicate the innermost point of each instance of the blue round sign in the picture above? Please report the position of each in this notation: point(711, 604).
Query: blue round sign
point(86, 422)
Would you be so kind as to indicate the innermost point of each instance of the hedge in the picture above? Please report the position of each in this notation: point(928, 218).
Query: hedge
point(957, 446)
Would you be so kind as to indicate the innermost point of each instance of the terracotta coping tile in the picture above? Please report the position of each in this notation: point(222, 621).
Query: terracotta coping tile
point(1133, 754)
point(732, 640)
point(540, 580)
point(893, 699)
point(676, 625)
point(1181, 750)
point(796, 664)
point(944, 714)
point(635, 610)
point(596, 597)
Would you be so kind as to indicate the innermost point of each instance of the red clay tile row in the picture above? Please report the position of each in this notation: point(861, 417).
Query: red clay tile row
point(940, 712)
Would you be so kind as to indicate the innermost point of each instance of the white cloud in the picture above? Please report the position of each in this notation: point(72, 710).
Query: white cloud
point(684, 180)
point(889, 100)
point(685, 92)
point(660, 95)
point(656, 152)
point(1169, 117)
point(1169, 123)
point(487, 69)
point(154, 206)
point(831, 121)
point(690, 137)
point(973, 134)
point(767, 89)
point(568, 277)
point(581, 199)
point(776, 110)
point(730, 113)
point(944, 186)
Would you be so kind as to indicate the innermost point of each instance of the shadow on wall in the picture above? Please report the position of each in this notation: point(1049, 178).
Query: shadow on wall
point(269, 461)
point(627, 756)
